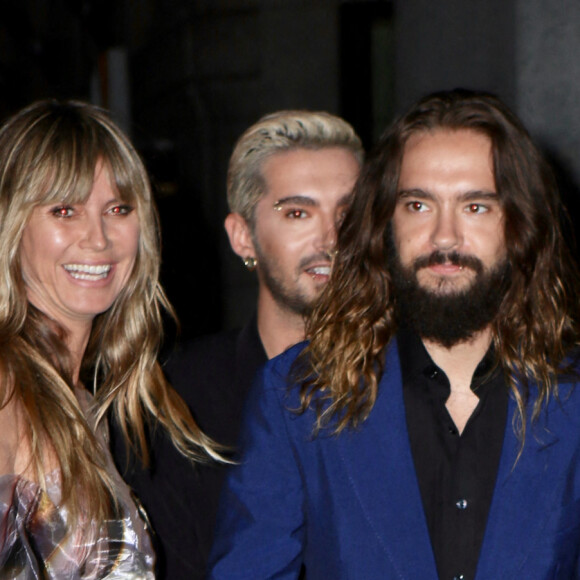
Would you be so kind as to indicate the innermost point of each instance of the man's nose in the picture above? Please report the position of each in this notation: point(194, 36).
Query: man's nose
point(446, 232)
point(327, 234)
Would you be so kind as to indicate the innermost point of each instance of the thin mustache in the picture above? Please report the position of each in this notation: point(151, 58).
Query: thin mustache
point(314, 259)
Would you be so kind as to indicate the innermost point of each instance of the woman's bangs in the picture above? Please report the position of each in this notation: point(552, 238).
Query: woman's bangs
point(124, 175)
point(62, 173)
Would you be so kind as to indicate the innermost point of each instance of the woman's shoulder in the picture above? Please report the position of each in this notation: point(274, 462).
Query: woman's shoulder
point(15, 451)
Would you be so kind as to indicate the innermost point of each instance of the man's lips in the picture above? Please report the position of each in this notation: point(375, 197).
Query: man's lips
point(318, 265)
point(319, 270)
point(446, 269)
point(448, 263)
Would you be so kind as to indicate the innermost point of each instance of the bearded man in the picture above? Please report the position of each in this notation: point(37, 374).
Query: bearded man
point(430, 428)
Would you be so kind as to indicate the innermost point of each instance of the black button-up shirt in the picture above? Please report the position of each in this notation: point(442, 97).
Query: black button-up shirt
point(456, 473)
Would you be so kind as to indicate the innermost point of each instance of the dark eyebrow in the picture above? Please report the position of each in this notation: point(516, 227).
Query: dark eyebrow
point(475, 195)
point(420, 193)
point(467, 196)
point(310, 202)
point(296, 200)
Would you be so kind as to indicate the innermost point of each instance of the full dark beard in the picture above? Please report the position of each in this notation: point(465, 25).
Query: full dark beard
point(449, 317)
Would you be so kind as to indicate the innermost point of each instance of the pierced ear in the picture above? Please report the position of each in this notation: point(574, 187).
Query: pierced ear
point(240, 236)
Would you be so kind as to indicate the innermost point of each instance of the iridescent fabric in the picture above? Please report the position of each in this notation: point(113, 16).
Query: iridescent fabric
point(36, 544)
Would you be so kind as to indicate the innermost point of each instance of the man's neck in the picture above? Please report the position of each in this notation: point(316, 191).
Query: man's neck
point(459, 363)
point(278, 327)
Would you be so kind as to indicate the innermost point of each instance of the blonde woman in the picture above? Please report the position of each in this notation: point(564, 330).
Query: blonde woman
point(80, 307)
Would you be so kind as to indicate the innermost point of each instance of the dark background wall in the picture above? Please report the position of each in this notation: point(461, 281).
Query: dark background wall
point(186, 77)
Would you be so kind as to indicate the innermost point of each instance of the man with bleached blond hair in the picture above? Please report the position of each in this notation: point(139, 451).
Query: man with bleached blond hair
point(290, 181)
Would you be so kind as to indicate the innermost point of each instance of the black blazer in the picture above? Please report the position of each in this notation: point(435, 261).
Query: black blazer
point(213, 375)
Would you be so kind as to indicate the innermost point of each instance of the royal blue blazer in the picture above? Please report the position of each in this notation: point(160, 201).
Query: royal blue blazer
point(349, 506)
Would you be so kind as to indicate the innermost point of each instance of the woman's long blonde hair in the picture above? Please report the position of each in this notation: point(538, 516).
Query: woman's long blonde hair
point(48, 154)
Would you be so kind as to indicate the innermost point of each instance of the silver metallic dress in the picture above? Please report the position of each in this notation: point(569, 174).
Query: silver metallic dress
point(37, 544)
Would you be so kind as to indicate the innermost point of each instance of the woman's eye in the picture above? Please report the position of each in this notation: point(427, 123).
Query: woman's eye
point(122, 209)
point(62, 211)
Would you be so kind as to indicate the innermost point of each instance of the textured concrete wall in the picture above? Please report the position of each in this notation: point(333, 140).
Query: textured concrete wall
point(454, 43)
point(526, 51)
point(548, 77)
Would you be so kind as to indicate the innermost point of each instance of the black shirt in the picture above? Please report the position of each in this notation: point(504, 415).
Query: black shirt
point(213, 374)
point(456, 473)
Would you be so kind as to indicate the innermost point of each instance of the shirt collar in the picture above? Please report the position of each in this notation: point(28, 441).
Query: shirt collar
point(415, 360)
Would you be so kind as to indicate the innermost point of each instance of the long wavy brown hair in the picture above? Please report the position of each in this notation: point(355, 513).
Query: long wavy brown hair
point(48, 154)
point(356, 317)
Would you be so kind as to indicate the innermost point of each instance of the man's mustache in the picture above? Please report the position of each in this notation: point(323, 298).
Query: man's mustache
point(454, 258)
point(314, 259)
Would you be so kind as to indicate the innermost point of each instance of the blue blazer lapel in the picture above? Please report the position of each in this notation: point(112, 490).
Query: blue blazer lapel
point(523, 501)
point(388, 491)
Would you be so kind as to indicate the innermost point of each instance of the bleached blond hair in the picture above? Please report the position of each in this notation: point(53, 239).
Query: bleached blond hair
point(276, 133)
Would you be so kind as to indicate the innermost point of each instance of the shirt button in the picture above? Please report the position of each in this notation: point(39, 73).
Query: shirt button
point(461, 505)
point(459, 577)
point(453, 430)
